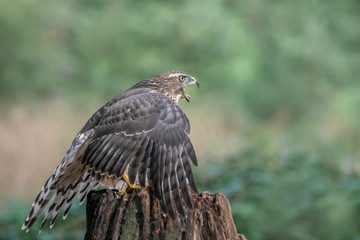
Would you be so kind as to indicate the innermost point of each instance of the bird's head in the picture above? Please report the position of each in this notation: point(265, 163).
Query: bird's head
point(173, 84)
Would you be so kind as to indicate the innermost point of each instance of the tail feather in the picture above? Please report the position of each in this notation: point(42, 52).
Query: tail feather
point(63, 185)
point(95, 184)
point(55, 201)
point(69, 201)
point(57, 209)
point(39, 204)
point(83, 189)
point(48, 212)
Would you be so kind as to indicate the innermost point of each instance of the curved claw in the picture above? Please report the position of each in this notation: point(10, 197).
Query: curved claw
point(130, 187)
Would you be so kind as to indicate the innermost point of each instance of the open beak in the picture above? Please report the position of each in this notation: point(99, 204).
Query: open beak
point(193, 81)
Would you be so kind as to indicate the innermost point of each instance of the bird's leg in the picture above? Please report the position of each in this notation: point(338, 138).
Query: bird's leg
point(121, 192)
point(130, 187)
point(125, 177)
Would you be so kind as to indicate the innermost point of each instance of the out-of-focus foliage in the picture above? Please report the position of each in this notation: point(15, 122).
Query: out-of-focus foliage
point(274, 57)
point(12, 218)
point(294, 194)
point(284, 72)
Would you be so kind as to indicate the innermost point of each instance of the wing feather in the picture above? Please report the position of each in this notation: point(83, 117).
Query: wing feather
point(137, 159)
point(143, 165)
point(190, 151)
point(174, 183)
point(97, 157)
point(127, 155)
point(180, 173)
point(160, 180)
point(106, 156)
point(112, 160)
point(117, 164)
point(187, 168)
point(154, 168)
point(166, 183)
point(96, 150)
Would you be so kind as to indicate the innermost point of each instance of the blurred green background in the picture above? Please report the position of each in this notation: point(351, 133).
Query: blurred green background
point(275, 122)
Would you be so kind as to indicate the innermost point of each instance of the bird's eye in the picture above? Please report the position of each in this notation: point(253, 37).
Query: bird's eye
point(182, 78)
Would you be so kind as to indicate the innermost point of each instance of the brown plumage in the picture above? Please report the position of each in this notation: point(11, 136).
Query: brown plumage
point(141, 132)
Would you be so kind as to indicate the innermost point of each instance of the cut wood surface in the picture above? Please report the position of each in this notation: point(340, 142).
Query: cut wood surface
point(137, 215)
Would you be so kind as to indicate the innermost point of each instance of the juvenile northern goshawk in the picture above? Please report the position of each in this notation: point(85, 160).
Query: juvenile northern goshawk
point(138, 138)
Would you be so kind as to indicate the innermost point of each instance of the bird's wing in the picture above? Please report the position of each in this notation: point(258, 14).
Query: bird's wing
point(144, 132)
point(147, 134)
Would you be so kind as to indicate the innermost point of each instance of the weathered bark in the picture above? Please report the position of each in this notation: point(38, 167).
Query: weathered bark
point(137, 215)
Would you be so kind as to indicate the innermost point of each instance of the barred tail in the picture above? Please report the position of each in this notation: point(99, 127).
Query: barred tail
point(57, 198)
point(43, 198)
point(59, 191)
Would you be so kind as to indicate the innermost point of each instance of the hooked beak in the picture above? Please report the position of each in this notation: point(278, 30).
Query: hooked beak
point(193, 81)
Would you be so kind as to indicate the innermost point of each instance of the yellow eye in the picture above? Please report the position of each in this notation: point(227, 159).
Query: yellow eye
point(182, 78)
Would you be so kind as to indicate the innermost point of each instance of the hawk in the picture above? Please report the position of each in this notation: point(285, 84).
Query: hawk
point(139, 138)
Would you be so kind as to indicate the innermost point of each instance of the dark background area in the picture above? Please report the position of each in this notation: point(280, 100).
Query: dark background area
point(275, 122)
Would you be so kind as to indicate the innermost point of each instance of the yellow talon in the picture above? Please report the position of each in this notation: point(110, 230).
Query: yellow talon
point(121, 192)
point(130, 187)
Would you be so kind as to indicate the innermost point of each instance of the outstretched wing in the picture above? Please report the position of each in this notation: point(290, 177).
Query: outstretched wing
point(142, 132)
point(147, 135)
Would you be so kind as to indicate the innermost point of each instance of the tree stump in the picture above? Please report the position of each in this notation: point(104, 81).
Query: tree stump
point(137, 215)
